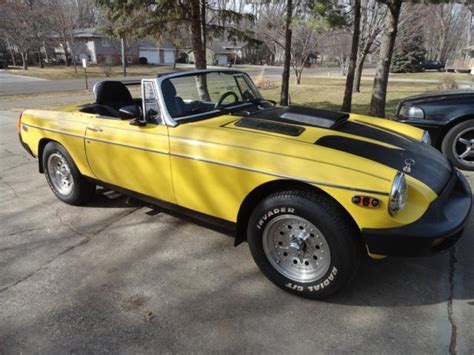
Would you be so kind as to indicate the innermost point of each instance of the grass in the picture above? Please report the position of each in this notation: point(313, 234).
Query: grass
point(328, 94)
point(433, 75)
point(58, 72)
point(315, 92)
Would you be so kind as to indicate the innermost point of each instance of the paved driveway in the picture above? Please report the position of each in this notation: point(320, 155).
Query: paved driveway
point(111, 277)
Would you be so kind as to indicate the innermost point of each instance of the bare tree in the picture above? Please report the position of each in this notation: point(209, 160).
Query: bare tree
point(270, 28)
point(347, 101)
point(16, 25)
point(446, 29)
point(285, 81)
point(66, 20)
point(379, 92)
point(336, 46)
point(371, 25)
point(306, 33)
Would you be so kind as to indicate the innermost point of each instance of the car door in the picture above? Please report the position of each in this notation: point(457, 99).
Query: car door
point(129, 156)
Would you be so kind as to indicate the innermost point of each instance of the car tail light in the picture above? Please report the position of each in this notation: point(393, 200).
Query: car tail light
point(19, 122)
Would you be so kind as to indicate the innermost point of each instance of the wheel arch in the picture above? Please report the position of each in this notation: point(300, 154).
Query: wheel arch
point(454, 122)
point(271, 187)
point(41, 145)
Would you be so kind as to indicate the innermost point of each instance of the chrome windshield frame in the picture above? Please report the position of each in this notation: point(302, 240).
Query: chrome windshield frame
point(165, 115)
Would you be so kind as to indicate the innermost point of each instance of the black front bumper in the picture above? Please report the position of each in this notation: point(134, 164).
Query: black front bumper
point(438, 229)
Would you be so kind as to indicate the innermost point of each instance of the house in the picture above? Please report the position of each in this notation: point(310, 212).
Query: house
point(98, 48)
point(209, 56)
point(163, 53)
point(238, 53)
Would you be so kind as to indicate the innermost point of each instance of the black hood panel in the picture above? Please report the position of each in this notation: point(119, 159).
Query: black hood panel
point(430, 167)
point(302, 116)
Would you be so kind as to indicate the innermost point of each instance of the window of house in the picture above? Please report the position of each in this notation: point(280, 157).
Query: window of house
point(105, 42)
point(129, 59)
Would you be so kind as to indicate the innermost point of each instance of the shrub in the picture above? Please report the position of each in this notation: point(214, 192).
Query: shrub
point(409, 62)
point(447, 82)
point(142, 60)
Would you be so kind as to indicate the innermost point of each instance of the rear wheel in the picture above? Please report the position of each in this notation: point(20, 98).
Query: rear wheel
point(63, 176)
point(458, 145)
point(304, 243)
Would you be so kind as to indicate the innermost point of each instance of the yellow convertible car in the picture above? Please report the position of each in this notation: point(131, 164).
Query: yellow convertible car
point(310, 190)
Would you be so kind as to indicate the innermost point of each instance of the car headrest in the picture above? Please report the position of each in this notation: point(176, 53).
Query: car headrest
point(112, 93)
point(168, 89)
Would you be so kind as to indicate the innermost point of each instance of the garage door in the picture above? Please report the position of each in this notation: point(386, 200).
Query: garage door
point(169, 57)
point(221, 59)
point(152, 56)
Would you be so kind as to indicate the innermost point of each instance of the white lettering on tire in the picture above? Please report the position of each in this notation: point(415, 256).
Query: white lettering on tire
point(317, 287)
point(273, 212)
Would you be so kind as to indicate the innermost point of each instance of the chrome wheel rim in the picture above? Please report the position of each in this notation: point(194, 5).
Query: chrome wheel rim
point(463, 147)
point(59, 173)
point(296, 248)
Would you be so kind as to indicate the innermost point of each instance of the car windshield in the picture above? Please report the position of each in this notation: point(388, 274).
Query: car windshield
point(198, 94)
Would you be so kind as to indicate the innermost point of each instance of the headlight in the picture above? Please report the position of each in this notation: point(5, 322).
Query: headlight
point(398, 194)
point(411, 112)
point(426, 138)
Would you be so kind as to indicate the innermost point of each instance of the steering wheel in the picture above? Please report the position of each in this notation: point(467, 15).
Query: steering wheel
point(225, 96)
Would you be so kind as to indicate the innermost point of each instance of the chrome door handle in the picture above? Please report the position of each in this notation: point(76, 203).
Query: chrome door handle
point(95, 129)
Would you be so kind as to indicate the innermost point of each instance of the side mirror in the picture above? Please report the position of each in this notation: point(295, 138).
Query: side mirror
point(129, 112)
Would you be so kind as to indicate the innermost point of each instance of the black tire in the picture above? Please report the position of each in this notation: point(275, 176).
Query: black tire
point(81, 190)
point(451, 146)
point(339, 233)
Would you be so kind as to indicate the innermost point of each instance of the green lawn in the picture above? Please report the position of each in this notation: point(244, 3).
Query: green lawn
point(58, 72)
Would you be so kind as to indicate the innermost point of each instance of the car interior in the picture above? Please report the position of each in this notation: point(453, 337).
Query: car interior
point(110, 97)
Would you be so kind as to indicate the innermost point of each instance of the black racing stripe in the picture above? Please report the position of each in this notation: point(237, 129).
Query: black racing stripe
point(430, 167)
point(377, 133)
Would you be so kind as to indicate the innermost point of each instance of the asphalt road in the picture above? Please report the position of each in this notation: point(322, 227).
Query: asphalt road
point(111, 277)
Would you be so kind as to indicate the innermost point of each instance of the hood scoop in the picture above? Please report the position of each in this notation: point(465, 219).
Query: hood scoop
point(270, 126)
point(304, 116)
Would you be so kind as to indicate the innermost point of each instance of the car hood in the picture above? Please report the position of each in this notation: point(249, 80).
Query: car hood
point(438, 95)
point(376, 147)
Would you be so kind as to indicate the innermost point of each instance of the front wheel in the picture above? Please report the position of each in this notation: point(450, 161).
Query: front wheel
point(458, 145)
point(304, 243)
point(63, 176)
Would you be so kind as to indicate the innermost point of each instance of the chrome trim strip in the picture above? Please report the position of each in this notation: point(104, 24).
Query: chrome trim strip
point(185, 156)
point(128, 145)
point(315, 182)
point(277, 154)
point(54, 130)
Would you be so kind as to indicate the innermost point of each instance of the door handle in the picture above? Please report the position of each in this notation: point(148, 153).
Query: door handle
point(95, 129)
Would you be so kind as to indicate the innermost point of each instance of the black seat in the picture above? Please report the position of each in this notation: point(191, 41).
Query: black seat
point(175, 104)
point(110, 96)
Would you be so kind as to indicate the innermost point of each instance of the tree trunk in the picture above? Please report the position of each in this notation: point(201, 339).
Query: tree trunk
point(379, 92)
point(24, 59)
point(347, 102)
point(285, 81)
point(358, 72)
point(40, 60)
point(66, 56)
point(73, 56)
point(122, 54)
point(12, 55)
point(196, 35)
